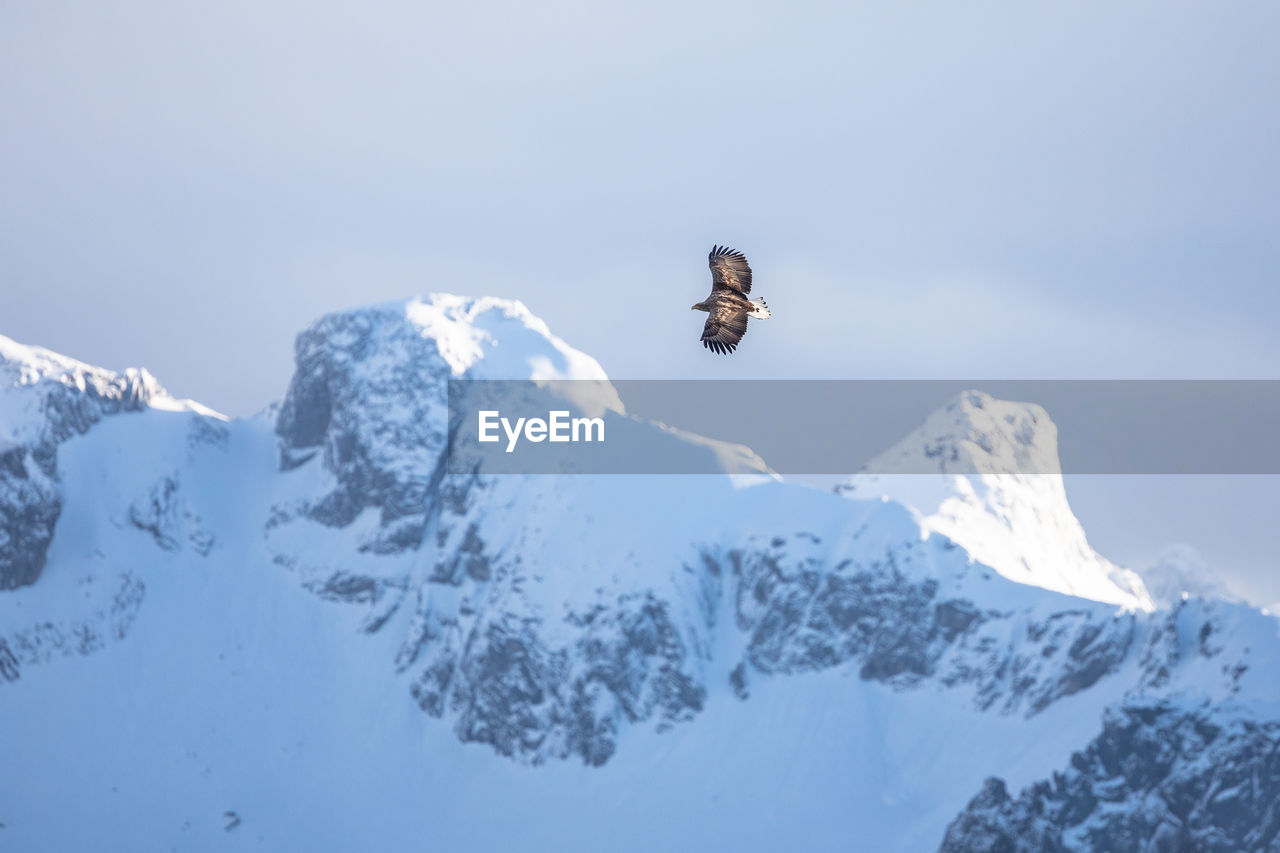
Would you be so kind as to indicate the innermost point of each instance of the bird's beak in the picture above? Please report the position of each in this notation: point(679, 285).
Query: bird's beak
point(693, 307)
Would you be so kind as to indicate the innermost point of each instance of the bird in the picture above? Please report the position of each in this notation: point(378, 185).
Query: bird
point(728, 306)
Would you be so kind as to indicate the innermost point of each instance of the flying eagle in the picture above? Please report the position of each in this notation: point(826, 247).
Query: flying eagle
point(728, 305)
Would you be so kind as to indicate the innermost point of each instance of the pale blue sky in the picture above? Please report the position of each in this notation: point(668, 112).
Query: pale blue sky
point(924, 190)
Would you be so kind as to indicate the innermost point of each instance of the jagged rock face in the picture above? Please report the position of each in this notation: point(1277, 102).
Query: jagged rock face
point(368, 402)
point(1157, 778)
point(808, 614)
point(116, 487)
point(533, 675)
point(48, 399)
point(802, 614)
point(164, 515)
point(29, 509)
point(46, 640)
point(805, 607)
point(537, 685)
point(369, 394)
point(507, 686)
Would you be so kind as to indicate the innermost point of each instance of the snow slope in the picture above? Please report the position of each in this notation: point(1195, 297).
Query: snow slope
point(999, 494)
point(45, 399)
point(297, 631)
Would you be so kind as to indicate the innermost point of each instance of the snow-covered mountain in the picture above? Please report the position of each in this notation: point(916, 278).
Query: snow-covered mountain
point(45, 399)
point(998, 493)
point(298, 630)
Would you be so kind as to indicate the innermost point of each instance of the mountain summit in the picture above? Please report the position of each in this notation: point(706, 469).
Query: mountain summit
point(238, 618)
point(46, 399)
point(999, 494)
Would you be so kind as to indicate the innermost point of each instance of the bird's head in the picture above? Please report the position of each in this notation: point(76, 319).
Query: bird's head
point(698, 306)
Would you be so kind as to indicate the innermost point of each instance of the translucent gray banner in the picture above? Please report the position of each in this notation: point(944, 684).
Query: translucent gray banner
point(871, 426)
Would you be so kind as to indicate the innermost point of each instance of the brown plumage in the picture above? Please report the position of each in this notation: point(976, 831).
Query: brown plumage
point(728, 306)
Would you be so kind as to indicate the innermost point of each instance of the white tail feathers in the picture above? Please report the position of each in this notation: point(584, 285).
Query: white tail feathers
point(759, 310)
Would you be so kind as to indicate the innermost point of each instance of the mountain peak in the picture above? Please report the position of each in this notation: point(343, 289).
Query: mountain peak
point(999, 494)
point(23, 365)
point(46, 396)
point(978, 433)
point(486, 337)
point(46, 399)
point(370, 392)
point(383, 370)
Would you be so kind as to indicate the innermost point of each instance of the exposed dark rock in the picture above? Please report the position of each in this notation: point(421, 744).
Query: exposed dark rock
point(1097, 650)
point(29, 510)
point(381, 432)
point(804, 615)
point(29, 500)
point(468, 560)
point(165, 515)
point(8, 662)
point(154, 515)
point(510, 689)
point(1156, 778)
point(44, 641)
point(738, 681)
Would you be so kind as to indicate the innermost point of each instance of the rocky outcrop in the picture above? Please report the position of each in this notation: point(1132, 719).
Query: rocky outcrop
point(29, 509)
point(1157, 778)
point(165, 515)
point(806, 613)
point(507, 686)
point(53, 399)
point(117, 601)
point(823, 610)
point(368, 397)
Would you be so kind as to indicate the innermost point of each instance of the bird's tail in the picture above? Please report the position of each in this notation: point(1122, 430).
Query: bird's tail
point(759, 310)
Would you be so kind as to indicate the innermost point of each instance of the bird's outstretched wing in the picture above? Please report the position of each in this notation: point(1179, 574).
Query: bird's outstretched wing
point(726, 324)
point(729, 270)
